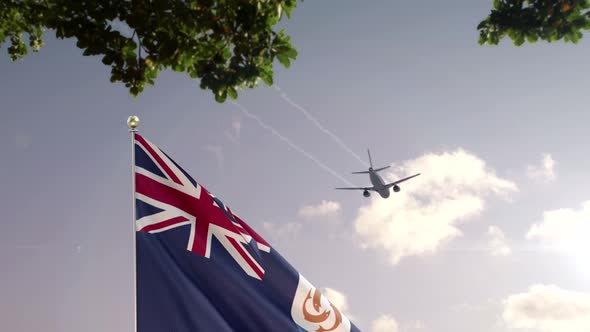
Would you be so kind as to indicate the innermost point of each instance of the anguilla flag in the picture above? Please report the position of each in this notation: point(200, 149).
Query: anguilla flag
point(200, 267)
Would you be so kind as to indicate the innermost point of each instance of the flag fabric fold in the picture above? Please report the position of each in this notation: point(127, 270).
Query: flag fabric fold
point(200, 267)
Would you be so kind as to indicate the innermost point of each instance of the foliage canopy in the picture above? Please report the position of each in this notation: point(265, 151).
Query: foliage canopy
point(531, 20)
point(227, 44)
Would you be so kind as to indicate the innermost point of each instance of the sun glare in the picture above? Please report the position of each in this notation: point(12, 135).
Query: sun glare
point(578, 251)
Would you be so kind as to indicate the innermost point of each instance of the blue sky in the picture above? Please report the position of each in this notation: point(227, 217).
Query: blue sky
point(450, 252)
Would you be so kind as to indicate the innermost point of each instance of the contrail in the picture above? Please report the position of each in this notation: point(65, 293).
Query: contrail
point(291, 144)
point(319, 125)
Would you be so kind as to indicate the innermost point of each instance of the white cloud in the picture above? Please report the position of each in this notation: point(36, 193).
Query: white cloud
point(324, 209)
point(543, 172)
point(428, 210)
point(498, 246)
point(548, 309)
point(563, 227)
point(281, 233)
point(385, 323)
point(336, 298)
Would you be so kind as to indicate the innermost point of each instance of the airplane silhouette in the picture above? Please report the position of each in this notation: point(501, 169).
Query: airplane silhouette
point(379, 185)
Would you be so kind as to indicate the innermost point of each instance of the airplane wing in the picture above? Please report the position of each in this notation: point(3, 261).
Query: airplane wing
point(356, 188)
point(401, 180)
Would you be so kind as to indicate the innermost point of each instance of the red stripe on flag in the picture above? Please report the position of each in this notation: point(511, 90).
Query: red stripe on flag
point(159, 160)
point(168, 195)
point(246, 257)
point(163, 224)
point(240, 228)
point(250, 231)
point(202, 209)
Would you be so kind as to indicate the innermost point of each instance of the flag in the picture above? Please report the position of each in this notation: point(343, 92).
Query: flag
point(200, 267)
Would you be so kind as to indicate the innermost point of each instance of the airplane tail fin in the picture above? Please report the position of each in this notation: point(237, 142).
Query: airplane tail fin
point(371, 163)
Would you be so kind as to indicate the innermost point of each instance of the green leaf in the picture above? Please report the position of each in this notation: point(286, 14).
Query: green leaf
point(221, 97)
point(129, 51)
point(532, 38)
point(266, 76)
point(231, 91)
point(284, 60)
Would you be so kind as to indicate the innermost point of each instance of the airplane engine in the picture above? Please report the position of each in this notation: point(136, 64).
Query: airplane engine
point(396, 188)
point(366, 193)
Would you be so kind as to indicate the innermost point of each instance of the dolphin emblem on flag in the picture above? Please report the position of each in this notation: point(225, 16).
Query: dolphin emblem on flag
point(324, 315)
point(314, 312)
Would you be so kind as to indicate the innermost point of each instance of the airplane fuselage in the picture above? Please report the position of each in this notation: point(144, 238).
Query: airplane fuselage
point(378, 184)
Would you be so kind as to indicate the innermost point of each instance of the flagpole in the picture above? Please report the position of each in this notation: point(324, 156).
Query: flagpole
point(133, 123)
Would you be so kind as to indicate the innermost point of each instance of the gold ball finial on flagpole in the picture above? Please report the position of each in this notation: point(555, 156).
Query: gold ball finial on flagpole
point(133, 122)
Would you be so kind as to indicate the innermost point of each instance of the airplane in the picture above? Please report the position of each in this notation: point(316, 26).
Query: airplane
point(378, 185)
